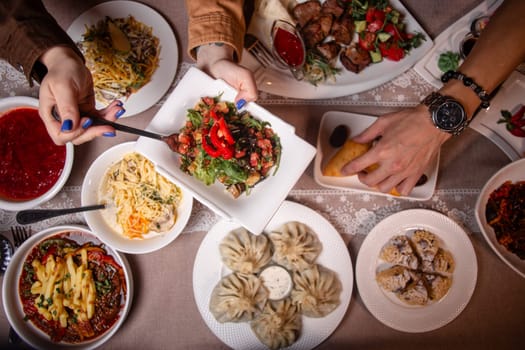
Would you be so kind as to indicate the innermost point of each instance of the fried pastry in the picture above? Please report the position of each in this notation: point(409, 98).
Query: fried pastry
point(426, 244)
point(420, 271)
point(398, 251)
point(437, 285)
point(415, 293)
point(348, 152)
point(394, 279)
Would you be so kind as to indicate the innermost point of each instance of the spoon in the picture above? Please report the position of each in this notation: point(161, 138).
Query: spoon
point(25, 217)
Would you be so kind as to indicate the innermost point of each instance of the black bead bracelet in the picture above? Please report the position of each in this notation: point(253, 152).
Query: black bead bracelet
point(470, 83)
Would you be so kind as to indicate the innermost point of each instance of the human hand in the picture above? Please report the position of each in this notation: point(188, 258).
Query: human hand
point(218, 62)
point(68, 87)
point(407, 142)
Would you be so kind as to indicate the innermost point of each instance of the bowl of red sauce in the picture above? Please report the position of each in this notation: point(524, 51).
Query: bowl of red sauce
point(288, 47)
point(33, 169)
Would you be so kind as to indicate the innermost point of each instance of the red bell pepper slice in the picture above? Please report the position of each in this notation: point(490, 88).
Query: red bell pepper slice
point(209, 149)
point(225, 131)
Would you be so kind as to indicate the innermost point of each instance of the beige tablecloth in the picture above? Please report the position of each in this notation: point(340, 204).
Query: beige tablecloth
point(164, 313)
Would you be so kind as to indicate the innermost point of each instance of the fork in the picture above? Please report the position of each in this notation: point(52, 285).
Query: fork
point(254, 46)
point(20, 235)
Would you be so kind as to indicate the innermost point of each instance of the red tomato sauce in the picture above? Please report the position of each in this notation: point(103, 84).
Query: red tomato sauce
point(30, 162)
point(289, 47)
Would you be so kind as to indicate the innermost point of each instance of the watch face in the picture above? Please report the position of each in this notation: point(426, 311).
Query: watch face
point(449, 116)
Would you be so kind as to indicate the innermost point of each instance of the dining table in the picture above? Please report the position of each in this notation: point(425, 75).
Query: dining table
point(164, 313)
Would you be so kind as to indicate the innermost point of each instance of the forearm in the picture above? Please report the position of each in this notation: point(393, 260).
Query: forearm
point(498, 51)
point(27, 30)
point(212, 21)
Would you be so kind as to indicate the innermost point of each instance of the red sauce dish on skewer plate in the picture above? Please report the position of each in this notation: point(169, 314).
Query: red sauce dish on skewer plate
point(33, 169)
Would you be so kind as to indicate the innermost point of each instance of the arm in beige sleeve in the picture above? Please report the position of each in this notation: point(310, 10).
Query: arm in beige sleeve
point(215, 21)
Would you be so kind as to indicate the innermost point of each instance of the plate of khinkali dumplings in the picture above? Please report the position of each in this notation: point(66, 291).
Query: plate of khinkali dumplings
point(416, 270)
point(288, 287)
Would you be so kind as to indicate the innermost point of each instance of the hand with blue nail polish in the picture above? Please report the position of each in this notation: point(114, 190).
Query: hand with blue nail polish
point(66, 84)
point(219, 63)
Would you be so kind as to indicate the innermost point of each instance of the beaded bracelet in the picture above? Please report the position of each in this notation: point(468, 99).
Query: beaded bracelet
point(470, 83)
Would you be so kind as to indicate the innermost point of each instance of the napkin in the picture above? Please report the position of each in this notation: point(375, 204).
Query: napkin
point(265, 13)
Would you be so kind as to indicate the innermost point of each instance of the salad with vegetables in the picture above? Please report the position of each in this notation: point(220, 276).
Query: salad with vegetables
point(220, 143)
point(381, 30)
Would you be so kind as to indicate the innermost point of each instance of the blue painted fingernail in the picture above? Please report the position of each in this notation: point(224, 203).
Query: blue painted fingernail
point(87, 123)
point(67, 125)
point(240, 103)
point(119, 113)
point(120, 103)
point(109, 134)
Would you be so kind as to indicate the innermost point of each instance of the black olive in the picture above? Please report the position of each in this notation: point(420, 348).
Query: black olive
point(339, 136)
point(422, 180)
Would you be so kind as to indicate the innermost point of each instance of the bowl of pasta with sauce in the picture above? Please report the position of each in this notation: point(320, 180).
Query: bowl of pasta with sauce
point(144, 210)
point(64, 288)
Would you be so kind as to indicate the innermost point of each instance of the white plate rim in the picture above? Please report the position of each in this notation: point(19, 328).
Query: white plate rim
point(436, 315)
point(11, 278)
point(357, 123)
point(96, 222)
point(9, 103)
point(513, 171)
point(206, 275)
point(164, 75)
point(282, 83)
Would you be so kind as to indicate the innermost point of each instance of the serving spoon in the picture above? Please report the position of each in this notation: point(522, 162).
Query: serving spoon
point(25, 217)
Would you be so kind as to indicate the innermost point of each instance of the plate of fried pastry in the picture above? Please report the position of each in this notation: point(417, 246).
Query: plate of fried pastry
point(288, 287)
point(416, 270)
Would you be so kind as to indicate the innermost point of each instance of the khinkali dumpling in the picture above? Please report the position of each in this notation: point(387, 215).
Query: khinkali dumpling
point(316, 291)
point(279, 325)
point(238, 298)
point(245, 252)
point(296, 246)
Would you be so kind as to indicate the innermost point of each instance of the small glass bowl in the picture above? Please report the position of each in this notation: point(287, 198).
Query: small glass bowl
point(467, 44)
point(288, 48)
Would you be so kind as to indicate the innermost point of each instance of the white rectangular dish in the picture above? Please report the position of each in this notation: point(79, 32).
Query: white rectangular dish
point(255, 210)
point(358, 123)
point(510, 97)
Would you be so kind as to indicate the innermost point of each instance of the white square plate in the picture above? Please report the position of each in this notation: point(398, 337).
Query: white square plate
point(357, 123)
point(252, 211)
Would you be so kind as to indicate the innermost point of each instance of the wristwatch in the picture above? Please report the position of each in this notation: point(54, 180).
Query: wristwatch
point(446, 113)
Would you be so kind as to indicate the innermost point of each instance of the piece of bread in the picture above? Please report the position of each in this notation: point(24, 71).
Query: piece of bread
point(348, 152)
